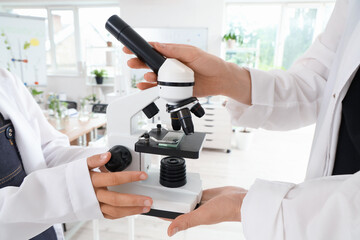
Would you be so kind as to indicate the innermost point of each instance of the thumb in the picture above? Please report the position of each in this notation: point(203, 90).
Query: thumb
point(98, 160)
point(184, 53)
point(186, 221)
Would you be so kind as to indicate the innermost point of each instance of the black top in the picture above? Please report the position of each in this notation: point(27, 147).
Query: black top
point(347, 159)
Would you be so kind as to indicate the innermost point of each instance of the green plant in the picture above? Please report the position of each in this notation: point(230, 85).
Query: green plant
point(35, 92)
point(99, 73)
point(92, 98)
point(57, 106)
point(134, 81)
point(233, 36)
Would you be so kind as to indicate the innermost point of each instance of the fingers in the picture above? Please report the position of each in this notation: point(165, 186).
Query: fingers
point(98, 160)
point(122, 200)
point(182, 52)
point(195, 218)
point(128, 51)
point(103, 169)
point(115, 178)
point(150, 77)
point(112, 212)
point(136, 63)
point(145, 85)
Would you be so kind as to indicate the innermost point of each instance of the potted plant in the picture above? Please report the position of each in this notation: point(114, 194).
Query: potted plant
point(84, 114)
point(37, 95)
point(243, 138)
point(231, 39)
point(86, 105)
point(99, 75)
point(108, 42)
point(59, 111)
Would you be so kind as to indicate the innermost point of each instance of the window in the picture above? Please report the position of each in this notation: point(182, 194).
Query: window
point(97, 44)
point(258, 33)
point(63, 40)
point(274, 35)
point(71, 31)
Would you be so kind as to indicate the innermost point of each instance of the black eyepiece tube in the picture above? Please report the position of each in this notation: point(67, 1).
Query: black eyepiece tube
point(131, 39)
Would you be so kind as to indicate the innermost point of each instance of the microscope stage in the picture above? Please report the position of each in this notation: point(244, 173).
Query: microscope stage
point(167, 202)
point(189, 146)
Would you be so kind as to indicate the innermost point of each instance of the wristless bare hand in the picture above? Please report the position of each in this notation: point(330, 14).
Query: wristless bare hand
point(213, 76)
point(113, 204)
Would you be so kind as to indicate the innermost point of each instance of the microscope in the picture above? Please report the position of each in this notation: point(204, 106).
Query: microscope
point(174, 190)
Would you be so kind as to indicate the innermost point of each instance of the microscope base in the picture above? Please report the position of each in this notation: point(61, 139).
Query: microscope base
point(167, 202)
point(164, 214)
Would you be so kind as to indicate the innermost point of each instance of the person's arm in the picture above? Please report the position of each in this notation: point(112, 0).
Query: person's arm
point(67, 190)
point(324, 208)
point(55, 145)
point(277, 99)
point(67, 193)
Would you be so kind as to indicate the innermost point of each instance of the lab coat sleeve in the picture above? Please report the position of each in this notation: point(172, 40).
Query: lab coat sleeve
point(38, 203)
point(63, 192)
point(324, 208)
point(283, 100)
point(55, 145)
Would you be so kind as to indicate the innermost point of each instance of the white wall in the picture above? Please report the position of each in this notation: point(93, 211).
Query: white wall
point(74, 87)
point(177, 13)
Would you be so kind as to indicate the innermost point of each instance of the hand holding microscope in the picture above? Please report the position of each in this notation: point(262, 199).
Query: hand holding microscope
point(173, 190)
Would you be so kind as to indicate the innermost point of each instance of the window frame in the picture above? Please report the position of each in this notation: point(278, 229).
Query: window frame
point(284, 5)
point(54, 71)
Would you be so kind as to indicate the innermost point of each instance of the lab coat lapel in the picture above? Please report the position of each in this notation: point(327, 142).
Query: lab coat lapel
point(350, 60)
point(346, 61)
point(27, 140)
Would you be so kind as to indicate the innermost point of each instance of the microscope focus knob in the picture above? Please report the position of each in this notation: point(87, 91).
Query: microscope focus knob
point(120, 159)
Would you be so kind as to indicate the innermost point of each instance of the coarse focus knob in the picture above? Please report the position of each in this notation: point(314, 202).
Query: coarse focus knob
point(120, 159)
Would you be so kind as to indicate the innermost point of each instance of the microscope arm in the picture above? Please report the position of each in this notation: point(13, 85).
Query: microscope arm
point(121, 112)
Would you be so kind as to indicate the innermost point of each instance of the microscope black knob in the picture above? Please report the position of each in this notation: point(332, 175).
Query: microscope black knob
point(198, 110)
point(150, 110)
point(120, 159)
point(158, 128)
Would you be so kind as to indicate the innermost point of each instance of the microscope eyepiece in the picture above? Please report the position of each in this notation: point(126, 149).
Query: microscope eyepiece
point(115, 25)
point(132, 40)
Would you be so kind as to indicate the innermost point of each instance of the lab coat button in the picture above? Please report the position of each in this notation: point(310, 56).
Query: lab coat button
point(10, 133)
point(334, 95)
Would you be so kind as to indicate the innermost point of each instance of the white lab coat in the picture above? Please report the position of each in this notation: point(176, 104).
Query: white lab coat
point(57, 188)
point(324, 206)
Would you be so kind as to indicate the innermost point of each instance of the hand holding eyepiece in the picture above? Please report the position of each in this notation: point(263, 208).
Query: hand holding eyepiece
point(175, 80)
point(132, 40)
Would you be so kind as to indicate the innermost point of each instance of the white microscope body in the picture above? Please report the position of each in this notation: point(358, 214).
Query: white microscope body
point(173, 190)
point(123, 130)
